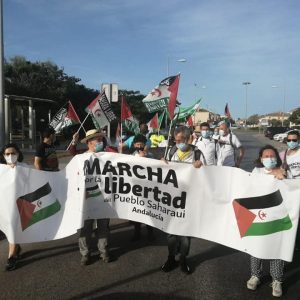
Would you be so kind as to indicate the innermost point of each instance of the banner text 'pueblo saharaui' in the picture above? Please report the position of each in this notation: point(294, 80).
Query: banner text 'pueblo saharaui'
point(256, 214)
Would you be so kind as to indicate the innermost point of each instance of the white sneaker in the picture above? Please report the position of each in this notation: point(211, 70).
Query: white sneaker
point(276, 288)
point(253, 282)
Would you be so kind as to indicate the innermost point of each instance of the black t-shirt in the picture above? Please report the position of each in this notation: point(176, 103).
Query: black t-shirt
point(49, 157)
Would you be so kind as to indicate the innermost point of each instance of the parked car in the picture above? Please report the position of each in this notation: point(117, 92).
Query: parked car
point(271, 131)
point(279, 136)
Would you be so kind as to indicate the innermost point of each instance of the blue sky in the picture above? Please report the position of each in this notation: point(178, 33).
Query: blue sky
point(128, 42)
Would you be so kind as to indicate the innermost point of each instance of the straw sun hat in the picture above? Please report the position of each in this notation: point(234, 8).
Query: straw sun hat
point(90, 134)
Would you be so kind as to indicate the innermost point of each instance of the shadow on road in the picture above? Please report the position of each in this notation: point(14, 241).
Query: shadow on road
point(138, 296)
point(211, 253)
point(31, 256)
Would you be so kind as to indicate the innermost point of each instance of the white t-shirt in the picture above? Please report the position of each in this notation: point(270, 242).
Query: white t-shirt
point(293, 162)
point(227, 152)
point(209, 148)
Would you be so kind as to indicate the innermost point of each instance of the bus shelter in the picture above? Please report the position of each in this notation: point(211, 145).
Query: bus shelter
point(25, 118)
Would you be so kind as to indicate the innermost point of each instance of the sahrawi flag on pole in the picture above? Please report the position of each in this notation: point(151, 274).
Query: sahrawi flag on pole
point(65, 117)
point(164, 95)
point(227, 112)
point(127, 117)
point(189, 121)
point(261, 215)
point(101, 111)
point(153, 123)
point(37, 206)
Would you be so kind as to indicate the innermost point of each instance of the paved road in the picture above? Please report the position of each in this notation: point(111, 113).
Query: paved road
point(52, 269)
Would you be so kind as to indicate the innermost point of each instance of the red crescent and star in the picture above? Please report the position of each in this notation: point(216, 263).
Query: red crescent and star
point(262, 215)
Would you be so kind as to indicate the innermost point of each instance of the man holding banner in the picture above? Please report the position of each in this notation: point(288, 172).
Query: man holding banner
point(95, 143)
point(182, 152)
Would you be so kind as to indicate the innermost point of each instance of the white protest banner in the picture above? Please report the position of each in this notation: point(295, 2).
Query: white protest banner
point(256, 214)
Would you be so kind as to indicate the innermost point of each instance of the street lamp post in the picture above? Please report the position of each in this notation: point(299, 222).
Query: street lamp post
point(2, 112)
point(284, 98)
point(246, 83)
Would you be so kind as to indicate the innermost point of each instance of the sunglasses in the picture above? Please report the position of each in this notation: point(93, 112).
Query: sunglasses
point(292, 140)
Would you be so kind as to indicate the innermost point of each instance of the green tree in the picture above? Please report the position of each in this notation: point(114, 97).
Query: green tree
point(253, 120)
point(295, 116)
point(275, 122)
point(43, 80)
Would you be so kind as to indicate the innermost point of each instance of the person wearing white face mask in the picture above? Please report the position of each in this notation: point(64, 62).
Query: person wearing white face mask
point(96, 142)
point(268, 162)
point(231, 150)
point(12, 157)
point(207, 145)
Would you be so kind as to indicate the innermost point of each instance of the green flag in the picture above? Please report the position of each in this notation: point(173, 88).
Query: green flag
point(185, 112)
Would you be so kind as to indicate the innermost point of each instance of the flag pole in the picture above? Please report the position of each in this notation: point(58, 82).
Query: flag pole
point(159, 125)
point(174, 121)
point(121, 140)
point(78, 130)
point(121, 125)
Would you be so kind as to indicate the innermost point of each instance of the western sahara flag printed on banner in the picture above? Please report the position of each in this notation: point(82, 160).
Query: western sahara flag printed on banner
point(261, 215)
point(92, 191)
point(37, 206)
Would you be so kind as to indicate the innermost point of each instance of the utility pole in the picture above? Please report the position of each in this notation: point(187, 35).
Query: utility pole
point(2, 114)
point(246, 83)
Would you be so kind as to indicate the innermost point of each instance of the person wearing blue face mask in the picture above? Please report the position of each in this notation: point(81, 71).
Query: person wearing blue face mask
point(96, 142)
point(182, 152)
point(208, 146)
point(291, 163)
point(138, 149)
point(291, 157)
point(268, 162)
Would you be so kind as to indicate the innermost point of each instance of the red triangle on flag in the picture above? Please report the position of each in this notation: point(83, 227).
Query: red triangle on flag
point(93, 103)
point(153, 123)
point(227, 112)
point(26, 210)
point(71, 114)
point(244, 217)
point(125, 111)
point(190, 121)
point(173, 88)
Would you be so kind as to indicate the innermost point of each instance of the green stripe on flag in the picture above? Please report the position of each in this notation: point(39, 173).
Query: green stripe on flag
point(270, 227)
point(91, 194)
point(45, 213)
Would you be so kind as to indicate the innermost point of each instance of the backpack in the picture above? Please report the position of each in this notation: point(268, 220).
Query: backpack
point(200, 138)
point(285, 166)
point(197, 152)
point(231, 144)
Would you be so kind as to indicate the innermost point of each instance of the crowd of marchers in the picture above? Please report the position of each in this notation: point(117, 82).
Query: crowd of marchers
point(199, 146)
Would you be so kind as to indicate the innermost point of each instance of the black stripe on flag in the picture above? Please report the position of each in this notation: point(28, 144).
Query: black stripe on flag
point(37, 194)
point(265, 201)
point(92, 188)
